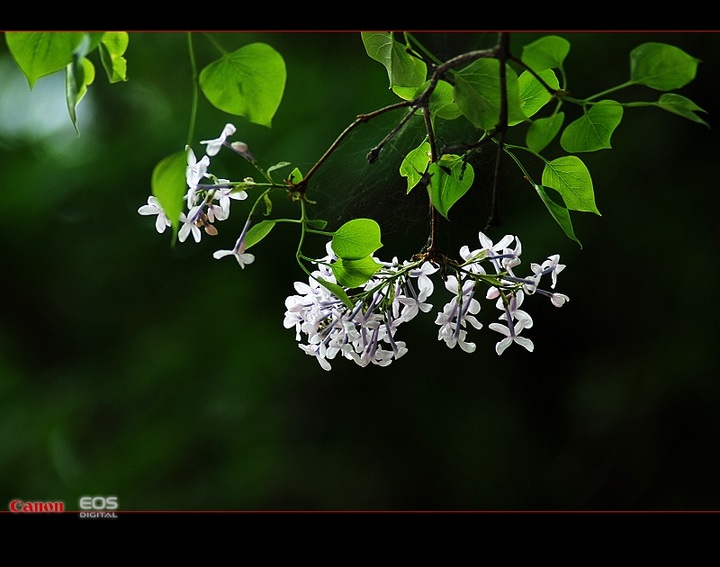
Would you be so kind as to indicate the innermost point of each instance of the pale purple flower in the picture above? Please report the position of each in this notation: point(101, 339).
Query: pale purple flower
point(243, 258)
point(550, 266)
point(153, 207)
point(189, 225)
point(461, 309)
point(195, 171)
point(223, 196)
point(213, 146)
point(512, 335)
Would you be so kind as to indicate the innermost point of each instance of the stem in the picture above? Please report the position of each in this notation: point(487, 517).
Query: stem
point(502, 126)
point(611, 90)
point(195, 88)
point(217, 46)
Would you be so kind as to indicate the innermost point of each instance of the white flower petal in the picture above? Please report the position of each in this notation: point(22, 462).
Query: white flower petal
point(502, 345)
point(525, 342)
point(222, 253)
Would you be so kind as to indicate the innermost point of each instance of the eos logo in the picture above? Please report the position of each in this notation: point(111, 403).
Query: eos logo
point(99, 506)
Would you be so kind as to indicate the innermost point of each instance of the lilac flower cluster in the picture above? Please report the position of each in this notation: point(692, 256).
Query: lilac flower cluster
point(366, 332)
point(206, 202)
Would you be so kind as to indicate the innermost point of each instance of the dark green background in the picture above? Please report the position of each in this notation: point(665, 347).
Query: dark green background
point(165, 377)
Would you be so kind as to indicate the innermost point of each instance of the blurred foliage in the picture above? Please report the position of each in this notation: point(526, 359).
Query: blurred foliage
point(164, 377)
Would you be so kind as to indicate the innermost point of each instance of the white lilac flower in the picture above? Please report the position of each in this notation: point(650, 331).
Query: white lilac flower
point(515, 321)
point(460, 310)
point(473, 259)
point(500, 255)
point(216, 212)
point(495, 252)
point(213, 146)
point(409, 301)
point(550, 266)
point(512, 310)
point(190, 225)
point(223, 195)
point(557, 299)
point(153, 207)
point(425, 284)
point(195, 171)
point(512, 335)
point(243, 258)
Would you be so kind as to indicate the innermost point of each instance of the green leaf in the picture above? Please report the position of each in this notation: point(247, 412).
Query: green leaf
point(548, 52)
point(405, 72)
point(414, 165)
point(318, 224)
point(442, 102)
point(112, 48)
point(533, 95)
point(450, 179)
point(477, 94)
point(354, 273)
point(278, 165)
point(594, 129)
point(257, 232)
point(558, 212)
point(678, 104)
point(268, 204)
point(543, 131)
point(281, 165)
point(38, 54)
point(169, 185)
point(79, 74)
point(356, 239)
point(570, 177)
point(296, 176)
point(662, 67)
point(336, 290)
point(249, 82)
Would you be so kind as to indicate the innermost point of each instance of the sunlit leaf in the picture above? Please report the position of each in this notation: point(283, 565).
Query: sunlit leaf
point(405, 71)
point(543, 131)
point(356, 239)
point(477, 93)
point(79, 74)
point(662, 67)
point(257, 232)
point(38, 54)
point(533, 95)
point(336, 290)
point(248, 82)
point(594, 129)
point(414, 165)
point(570, 177)
point(442, 102)
point(354, 273)
point(548, 52)
point(682, 106)
point(112, 48)
point(558, 212)
point(450, 179)
point(169, 185)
